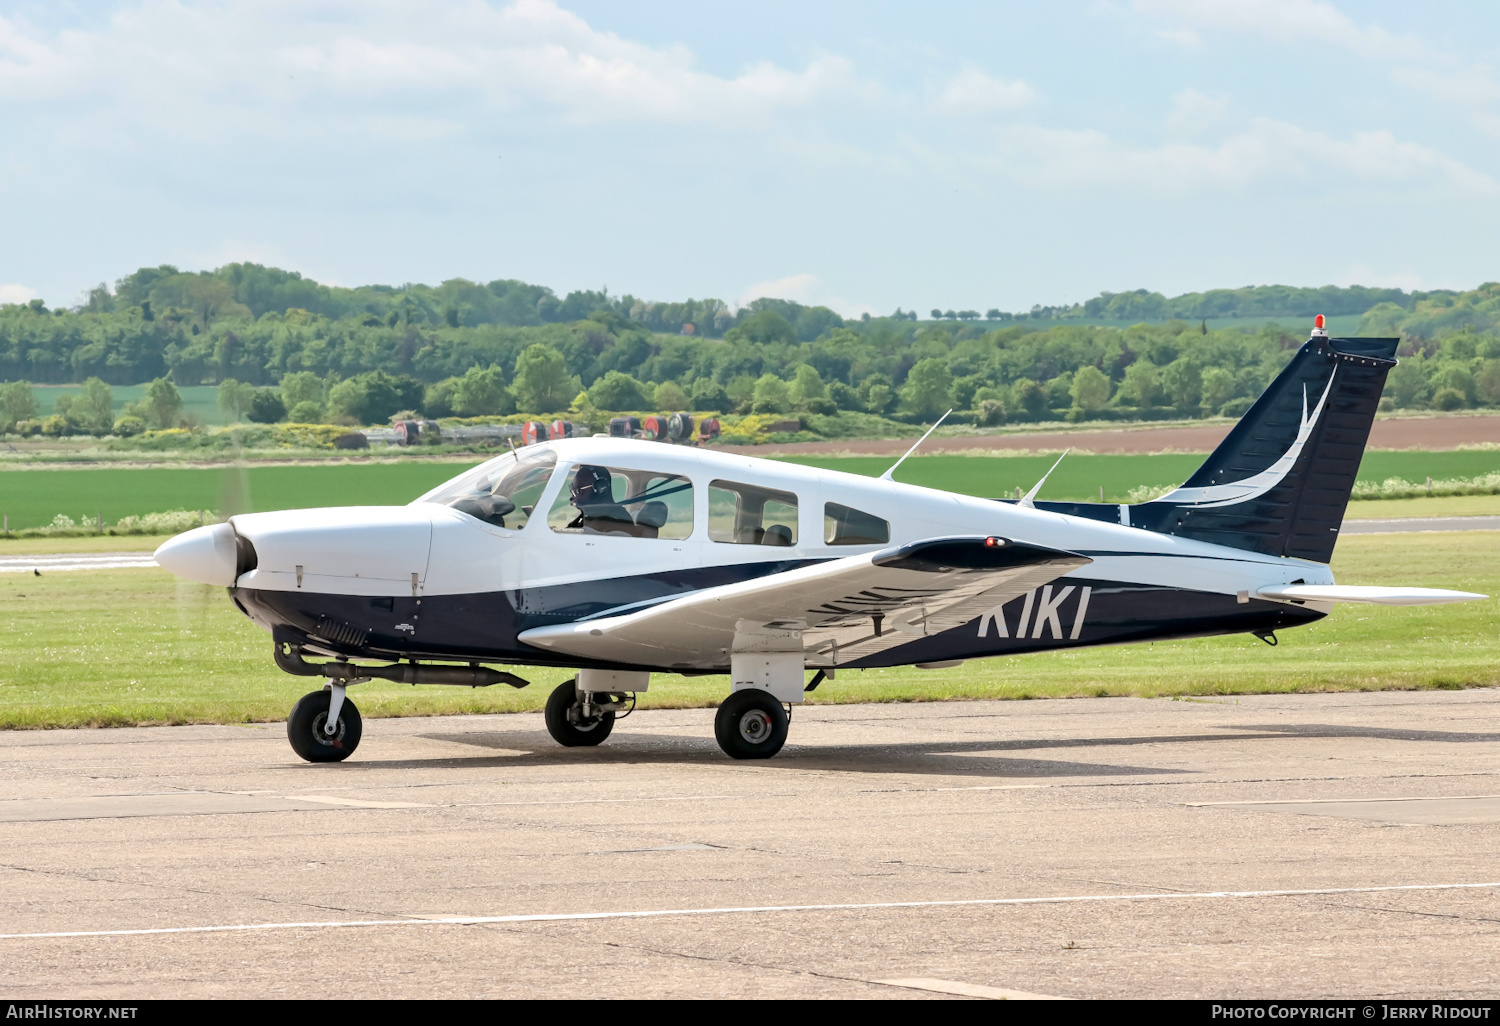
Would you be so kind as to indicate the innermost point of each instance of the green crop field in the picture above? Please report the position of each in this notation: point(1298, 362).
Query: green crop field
point(32, 497)
point(137, 646)
point(198, 401)
point(1081, 476)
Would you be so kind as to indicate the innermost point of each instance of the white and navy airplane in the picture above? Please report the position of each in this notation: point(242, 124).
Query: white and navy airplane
point(618, 559)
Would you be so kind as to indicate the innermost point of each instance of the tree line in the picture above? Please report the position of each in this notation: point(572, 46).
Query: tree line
point(361, 365)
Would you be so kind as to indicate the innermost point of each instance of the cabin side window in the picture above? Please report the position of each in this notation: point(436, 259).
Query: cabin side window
point(744, 514)
point(844, 525)
point(621, 501)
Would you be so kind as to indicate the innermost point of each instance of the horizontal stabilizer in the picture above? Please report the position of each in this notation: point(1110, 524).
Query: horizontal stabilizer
point(1361, 593)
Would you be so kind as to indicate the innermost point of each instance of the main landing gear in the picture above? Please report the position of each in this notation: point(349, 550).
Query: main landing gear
point(308, 726)
point(751, 723)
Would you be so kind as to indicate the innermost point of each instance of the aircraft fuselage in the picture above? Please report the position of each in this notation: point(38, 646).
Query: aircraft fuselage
point(428, 581)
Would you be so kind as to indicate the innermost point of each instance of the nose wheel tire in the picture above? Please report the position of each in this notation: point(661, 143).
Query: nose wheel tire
point(306, 729)
point(750, 724)
point(566, 722)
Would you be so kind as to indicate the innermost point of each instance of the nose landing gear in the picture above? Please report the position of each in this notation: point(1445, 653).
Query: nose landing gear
point(307, 726)
point(577, 719)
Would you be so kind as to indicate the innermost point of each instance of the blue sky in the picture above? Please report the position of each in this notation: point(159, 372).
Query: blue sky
point(866, 155)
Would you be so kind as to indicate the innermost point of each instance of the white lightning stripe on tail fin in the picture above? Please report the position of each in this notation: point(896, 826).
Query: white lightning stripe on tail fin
point(1257, 485)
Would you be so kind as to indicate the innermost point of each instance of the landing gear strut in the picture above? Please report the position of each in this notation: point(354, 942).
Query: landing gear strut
point(577, 719)
point(308, 726)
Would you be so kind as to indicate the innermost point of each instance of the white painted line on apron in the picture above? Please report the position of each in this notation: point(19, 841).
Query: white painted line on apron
point(746, 910)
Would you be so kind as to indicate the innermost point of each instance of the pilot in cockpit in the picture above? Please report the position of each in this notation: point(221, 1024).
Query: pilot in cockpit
point(591, 487)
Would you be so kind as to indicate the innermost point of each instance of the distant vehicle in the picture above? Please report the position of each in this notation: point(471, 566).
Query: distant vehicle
point(654, 428)
point(617, 559)
point(680, 428)
point(412, 432)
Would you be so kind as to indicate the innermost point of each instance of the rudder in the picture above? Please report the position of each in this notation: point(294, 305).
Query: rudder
point(1280, 482)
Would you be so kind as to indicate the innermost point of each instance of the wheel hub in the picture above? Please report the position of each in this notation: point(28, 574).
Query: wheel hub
point(576, 717)
point(319, 722)
point(755, 726)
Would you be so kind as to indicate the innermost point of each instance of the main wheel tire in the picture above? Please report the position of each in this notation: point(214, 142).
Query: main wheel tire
point(304, 729)
point(750, 724)
point(566, 724)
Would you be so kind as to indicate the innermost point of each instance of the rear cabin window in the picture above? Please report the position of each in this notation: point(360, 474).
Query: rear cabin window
point(743, 514)
point(620, 501)
point(844, 525)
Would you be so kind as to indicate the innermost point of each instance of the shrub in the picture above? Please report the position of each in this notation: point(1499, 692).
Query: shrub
point(617, 391)
point(708, 394)
point(266, 406)
point(772, 395)
point(1443, 399)
point(844, 397)
point(306, 412)
point(128, 425)
point(669, 396)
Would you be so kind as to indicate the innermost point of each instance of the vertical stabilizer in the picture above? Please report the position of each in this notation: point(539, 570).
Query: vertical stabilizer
point(1281, 480)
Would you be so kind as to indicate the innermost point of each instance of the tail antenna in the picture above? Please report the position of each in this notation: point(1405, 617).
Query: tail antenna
point(887, 475)
point(1026, 502)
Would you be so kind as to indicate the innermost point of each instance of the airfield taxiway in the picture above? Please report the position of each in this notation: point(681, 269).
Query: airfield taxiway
point(1308, 845)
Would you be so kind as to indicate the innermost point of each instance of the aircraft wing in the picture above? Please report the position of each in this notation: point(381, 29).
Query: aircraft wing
point(837, 611)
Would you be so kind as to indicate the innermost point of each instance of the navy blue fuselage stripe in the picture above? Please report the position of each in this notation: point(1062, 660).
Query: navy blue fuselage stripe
point(484, 627)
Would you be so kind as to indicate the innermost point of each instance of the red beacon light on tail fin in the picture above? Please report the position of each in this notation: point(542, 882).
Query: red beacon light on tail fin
point(1319, 325)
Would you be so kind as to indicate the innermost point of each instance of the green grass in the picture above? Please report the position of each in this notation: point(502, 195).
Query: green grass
point(1442, 506)
point(32, 497)
point(198, 401)
point(1447, 506)
point(137, 646)
point(1081, 476)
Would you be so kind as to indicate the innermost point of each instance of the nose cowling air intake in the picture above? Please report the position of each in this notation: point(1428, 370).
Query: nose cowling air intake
point(208, 555)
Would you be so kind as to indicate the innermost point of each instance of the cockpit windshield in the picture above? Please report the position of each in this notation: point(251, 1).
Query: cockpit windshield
point(502, 491)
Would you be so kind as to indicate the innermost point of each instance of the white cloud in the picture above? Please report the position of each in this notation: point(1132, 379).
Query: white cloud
point(807, 289)
point(1182, 36)
point(1282, 21)
point(1265, 152)
point(269, 66)
point(16, 294)
point(971, 91)
point(1470, 87)
point(1364, 274)
point(1193, 112)
point(1423, 68)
